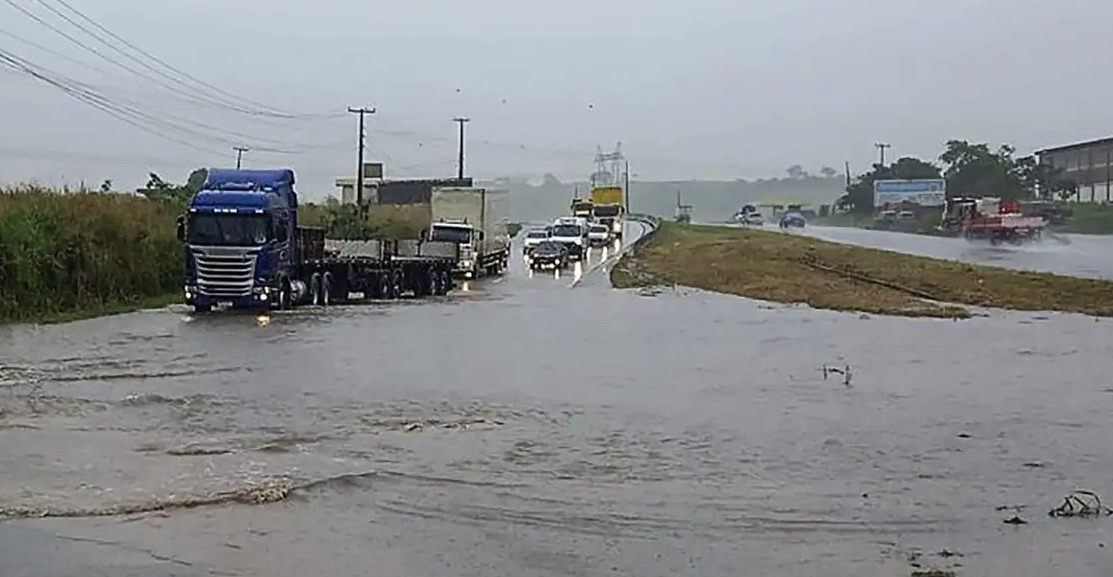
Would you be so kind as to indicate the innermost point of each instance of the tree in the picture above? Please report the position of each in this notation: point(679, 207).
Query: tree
point(973, 169)
point(796, 172)
point(859, 195)
point(828, 172)
point(1044, 180)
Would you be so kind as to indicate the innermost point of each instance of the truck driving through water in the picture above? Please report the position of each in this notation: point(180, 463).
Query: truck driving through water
point(244, 249)
point(609, 207)
point(469, 226)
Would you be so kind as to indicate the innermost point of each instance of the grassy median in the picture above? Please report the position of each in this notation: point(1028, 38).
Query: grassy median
point(790, 268)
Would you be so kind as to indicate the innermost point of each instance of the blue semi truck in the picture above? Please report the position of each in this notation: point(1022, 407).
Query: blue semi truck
point(244, 249)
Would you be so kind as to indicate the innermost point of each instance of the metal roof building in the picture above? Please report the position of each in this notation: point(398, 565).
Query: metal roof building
point(1088, 163)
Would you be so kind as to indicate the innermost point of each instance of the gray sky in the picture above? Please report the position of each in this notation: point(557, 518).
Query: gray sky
point(702, 88)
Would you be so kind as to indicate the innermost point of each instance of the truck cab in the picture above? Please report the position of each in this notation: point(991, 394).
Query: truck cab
point(239, 235)
point(465, 236)
point(610, 216)
point(583, 207)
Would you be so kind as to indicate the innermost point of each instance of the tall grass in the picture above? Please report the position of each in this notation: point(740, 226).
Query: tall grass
point(65, 252)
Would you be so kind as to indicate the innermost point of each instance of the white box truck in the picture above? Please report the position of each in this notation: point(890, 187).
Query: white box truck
point(472, 223)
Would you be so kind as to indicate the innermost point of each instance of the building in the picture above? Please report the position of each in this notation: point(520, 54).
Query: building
point(378, 190)
point(1086, 163)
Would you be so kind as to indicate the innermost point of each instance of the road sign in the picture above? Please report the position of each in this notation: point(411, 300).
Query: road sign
point(924, 192)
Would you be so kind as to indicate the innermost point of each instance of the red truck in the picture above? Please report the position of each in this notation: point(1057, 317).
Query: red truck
point(992, 219)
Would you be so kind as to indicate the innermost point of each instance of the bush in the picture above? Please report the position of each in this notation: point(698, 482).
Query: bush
point(64, 251)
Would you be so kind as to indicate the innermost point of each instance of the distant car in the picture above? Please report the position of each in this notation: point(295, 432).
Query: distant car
point(598, 235)
point(549, 255)
point(793, 220)
point(534, 238)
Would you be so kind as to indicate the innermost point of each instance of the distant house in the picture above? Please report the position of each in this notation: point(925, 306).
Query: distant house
point(1089, 164)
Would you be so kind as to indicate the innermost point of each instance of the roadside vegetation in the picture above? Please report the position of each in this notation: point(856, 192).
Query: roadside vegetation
point(787, 268)
point(67, 254)
point(975, 169)
point(72, 254)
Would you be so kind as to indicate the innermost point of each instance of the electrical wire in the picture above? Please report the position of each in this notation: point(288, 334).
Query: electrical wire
point(170, 122)
point(175, 85)
point(278, 112)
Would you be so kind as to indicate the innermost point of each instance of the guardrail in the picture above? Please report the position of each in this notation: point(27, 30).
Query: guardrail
point(652, 222)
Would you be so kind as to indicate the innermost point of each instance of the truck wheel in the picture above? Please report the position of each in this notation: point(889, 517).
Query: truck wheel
point(384, 287)
point(431, 284)
point(446, 282)
point(325, 298)
point(315, 289)
point(284, 295)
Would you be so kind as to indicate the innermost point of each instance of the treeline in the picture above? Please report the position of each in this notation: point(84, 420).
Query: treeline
point(970, 169)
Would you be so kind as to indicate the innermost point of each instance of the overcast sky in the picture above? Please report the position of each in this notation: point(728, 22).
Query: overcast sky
point(701, 88)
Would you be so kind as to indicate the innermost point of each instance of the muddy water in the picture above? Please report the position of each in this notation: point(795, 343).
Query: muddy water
point(524, 428)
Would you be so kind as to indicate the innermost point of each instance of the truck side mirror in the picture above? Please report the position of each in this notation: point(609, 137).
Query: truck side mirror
point(181, 229)
point(422, 235)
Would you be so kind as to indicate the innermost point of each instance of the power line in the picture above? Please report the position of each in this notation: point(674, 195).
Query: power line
point(219, 133)
point(175, 86)
point(283, 114)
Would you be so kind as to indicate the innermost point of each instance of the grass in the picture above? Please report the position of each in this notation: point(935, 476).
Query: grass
point(789, 268)
point(83, 253)
point(1088, 218)
point(513, 229)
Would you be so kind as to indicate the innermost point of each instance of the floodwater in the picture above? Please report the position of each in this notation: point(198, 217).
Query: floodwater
point(525, 428)
point(1079, 255)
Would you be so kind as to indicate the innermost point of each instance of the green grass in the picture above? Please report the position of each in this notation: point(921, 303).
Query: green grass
point(1087, 218)
point(513, 229)
point(65, 253)
point(794, 269)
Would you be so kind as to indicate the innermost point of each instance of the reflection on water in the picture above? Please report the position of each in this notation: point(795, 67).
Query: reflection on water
point(524, 429)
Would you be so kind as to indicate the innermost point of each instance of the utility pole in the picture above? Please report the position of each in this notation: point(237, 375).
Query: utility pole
point(461, 120)
point(239, 155)
point(362, 112)
point(881, 146)
point(626, 182)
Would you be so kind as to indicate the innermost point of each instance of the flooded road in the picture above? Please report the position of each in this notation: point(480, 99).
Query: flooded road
point(1079, 255)
point(523, 428)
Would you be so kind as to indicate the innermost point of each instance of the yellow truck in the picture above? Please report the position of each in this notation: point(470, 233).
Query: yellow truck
point(610, 207)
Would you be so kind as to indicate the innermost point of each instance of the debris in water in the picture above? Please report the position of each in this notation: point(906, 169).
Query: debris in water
point(933, 573)
point(1015, 520)
point(844, 371)
point(1081, 503)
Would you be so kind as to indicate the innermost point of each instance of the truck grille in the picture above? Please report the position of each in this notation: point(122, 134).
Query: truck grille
point(224, 271)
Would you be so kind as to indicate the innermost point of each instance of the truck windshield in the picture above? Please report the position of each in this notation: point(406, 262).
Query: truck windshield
point(228, 229)
point(606, 211)
point(456, 234)
point(567, 230)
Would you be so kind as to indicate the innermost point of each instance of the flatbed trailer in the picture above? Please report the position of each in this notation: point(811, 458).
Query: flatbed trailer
point(332, 277)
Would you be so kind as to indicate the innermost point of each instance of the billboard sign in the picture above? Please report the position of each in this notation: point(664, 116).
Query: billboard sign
point(924, 192)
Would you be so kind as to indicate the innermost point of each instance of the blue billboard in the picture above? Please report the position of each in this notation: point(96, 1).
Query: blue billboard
point(924, 192)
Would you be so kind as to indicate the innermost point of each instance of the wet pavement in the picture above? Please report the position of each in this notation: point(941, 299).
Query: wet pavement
point(1079, 255)
point(525, 428)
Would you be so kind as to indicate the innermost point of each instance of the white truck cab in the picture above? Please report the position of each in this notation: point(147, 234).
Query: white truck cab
point(568, 231)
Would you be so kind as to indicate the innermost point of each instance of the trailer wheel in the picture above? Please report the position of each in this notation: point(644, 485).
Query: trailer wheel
point(446, 282)
point(384, 287)
point(432, 279)
point(326, 290)
point(396, 284)
point(315, 289)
